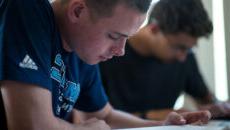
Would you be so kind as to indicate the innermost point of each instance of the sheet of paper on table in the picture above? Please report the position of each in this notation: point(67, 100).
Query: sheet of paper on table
point(186, 127)
point(220, 123)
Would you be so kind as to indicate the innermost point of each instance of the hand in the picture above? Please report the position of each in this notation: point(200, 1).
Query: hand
point(218, 110)
point(95, 124)
point(198, 118)
point(174, 118)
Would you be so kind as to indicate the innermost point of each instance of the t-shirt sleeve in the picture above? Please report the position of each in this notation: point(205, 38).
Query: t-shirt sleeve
point(26, 28)
point(2, 8)
point(92, 97)
point(1, 58)
point(195, 85)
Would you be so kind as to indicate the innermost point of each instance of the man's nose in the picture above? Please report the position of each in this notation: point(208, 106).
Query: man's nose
point(119, 49)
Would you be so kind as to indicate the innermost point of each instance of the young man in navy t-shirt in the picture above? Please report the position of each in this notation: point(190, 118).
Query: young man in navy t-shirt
point(50, 56)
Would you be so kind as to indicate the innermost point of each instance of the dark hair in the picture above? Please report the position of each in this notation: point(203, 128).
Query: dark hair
point(186, 16)
point(105, 7)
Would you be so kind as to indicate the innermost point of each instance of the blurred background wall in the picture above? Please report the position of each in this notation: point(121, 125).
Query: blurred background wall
point(213, 54)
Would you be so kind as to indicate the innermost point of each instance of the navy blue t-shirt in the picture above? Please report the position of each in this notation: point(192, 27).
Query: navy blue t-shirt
point(2, 2)
point(34, 54)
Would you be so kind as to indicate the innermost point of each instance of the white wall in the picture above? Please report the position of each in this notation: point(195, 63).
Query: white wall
point(205, 54)
point(227, 36)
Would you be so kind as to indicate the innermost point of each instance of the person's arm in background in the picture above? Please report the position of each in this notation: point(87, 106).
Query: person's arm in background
point(29, 107)
point(119, 119)
point(197, 88)
point(217, 108)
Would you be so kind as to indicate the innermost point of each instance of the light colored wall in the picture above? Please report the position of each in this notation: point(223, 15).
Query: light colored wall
point(204, 53)
point(227, 36)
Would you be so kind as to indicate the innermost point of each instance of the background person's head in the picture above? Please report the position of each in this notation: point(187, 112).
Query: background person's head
point(97, 29)
point(174, 27)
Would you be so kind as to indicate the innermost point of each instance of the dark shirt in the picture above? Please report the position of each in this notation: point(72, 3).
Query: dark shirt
point(33, 54)
point(2, 3)
point(136, 83)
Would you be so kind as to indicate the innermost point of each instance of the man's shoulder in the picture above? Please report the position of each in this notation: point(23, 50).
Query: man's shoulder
point(26, 12)
point(22, 3)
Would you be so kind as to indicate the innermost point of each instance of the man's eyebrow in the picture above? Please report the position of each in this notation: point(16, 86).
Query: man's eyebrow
point(121, 34)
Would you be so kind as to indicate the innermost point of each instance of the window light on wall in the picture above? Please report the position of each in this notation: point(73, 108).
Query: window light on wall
point(220, 64)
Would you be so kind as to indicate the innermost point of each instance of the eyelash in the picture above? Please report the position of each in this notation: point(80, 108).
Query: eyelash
point(113, 38)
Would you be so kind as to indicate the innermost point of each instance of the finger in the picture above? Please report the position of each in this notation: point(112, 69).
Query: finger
point(192, 117)
point(175, 119)
point(207, 115)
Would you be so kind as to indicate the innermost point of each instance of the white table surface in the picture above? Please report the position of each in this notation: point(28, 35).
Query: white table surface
point(213, 125)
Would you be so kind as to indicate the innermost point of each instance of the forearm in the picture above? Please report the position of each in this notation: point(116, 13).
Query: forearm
point(119, 119)
point(46, 123)
point(32, 111)
point(207, 99)
point(64, 125)
point(217, 108)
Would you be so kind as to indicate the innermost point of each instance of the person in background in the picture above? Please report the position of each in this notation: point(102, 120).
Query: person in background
point(159, 64)
point(50, 78)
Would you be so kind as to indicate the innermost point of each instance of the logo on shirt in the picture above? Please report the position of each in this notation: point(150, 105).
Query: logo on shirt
point(28, 63)
point(68, 90)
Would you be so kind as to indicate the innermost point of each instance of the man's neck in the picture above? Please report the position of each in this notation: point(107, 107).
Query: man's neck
point(58, 14)
point(138, 45)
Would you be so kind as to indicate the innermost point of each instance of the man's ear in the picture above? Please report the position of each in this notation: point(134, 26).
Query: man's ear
point(154, 28)
point(75, 10)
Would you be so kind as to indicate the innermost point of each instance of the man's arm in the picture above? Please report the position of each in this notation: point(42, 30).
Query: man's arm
point(119, 119)
point(115, 118)
point(217, 108)
point(209, 98)
point(197, 88)
point(29, 107)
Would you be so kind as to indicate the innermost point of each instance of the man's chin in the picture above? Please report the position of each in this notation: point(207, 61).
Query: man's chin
point(91, 62)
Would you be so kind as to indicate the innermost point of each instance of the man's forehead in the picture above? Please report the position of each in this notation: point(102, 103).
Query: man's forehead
point(124, 24)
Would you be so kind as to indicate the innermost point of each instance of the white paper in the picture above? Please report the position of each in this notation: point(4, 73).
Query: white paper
point(221, 123)
point(186, 127)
